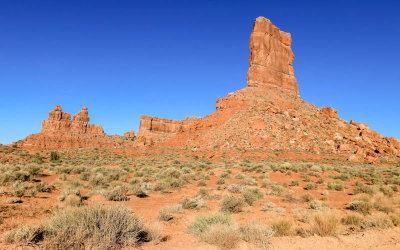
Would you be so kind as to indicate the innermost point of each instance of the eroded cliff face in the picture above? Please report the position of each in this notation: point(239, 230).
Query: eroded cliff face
point(157, 129)
point(59, 131)
point(271, 58)
point(59, 121)
point(266, 117)
point(269, 116)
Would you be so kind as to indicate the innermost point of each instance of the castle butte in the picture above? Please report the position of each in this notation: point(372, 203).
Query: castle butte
point(266, 117)
point(59, 131)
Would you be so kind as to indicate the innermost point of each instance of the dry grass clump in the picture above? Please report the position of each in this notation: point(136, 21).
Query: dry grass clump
point(282, 227)
point(192, 203)
point(116, 193)
point(166, 212)
point(256, 234)
point(252, 195)
point(352, 219)
point(232, 204)
point(202, 223)
point(220, 230)
point(325, 224)
point(363, 207)
point(223, 236)
point(85, 227)
point(382, 221)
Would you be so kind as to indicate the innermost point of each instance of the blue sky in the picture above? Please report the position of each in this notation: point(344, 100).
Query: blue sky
point(174, 58)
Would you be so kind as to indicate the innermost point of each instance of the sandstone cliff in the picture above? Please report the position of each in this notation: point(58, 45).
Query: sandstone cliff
point(159, 129)
point(268, 116)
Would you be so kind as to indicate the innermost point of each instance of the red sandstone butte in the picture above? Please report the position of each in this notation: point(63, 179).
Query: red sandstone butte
point(59, 131)
point(266, 117)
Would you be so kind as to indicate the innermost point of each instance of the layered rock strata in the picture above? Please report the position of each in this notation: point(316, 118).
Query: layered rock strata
point(59, 131)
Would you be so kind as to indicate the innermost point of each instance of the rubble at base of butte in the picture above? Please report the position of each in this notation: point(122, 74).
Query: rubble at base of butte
point(266, 116)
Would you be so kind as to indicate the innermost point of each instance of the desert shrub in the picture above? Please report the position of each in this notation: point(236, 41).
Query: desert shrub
point(294, 183)
point(307, 197)
point(138, 190)
point(248, 181)
point(160, 186)
point(318, 205)
point(166, 212)
point(192, 203)
point(382, 221)
point(352, 219)
point(338, 186)
point(85, 228)
point(342, 177)
point(282, 227)
point(386, 190)
point(383, 204)
point(276, 188)
point(98, 181)
point(325, 224)
point(256, 234)
point(14, 200)
point(19, 188)
point(362, 207)
point(221, 181)
point(235, 188)
point(362, 188)
point(240, 176)
point(223, 236)
point(42, 187)
point(252, 195)
point(232, 204)
point(117, 193)
point(202, 223)
point(395, 219)
point(201, 183)
point(73, 200)
point(69, 191)
point(310, 186)
point(203, 192)
point(54, 156)
point(270, 205)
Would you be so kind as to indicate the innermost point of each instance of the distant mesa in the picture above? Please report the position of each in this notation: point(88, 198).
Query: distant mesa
point(264, 119)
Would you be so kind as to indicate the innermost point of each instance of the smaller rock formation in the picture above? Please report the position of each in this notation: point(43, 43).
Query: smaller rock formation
point(59, 131)
point(129, 134)
point(330, 112)
point(159, 129)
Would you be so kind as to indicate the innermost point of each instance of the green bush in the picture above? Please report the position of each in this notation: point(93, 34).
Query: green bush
point(54, 156)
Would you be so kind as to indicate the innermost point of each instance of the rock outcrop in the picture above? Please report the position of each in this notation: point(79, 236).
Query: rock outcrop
point(129, 134)
point(271, 58)
point(269, 116)
point(265, 118)
point(59, 121)
point(59, 131)
point(160, 129)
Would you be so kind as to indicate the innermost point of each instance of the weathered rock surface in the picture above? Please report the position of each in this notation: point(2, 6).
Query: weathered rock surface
point(267, 117)
point(160, 129)
point(130, 133)
point(59, 131)
point(271, 58)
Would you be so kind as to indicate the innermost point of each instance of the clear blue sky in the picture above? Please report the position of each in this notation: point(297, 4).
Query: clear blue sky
point(174, 58)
